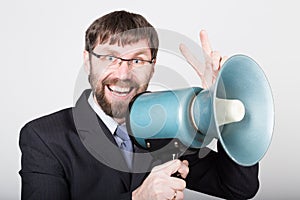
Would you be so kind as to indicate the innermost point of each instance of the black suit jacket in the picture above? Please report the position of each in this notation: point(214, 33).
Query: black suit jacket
point(71, 154)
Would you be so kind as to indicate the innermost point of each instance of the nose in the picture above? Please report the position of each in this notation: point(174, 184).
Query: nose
point(123, 71)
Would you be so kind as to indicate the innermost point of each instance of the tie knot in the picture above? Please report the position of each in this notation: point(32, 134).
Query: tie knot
point(121, 132)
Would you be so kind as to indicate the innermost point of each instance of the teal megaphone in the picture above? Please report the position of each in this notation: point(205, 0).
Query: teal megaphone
point(238, 110)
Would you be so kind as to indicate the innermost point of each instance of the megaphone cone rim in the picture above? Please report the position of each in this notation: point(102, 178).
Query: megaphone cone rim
point(219, 136)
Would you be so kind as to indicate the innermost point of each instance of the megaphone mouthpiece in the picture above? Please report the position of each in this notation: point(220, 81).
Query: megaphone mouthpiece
point(229, 111)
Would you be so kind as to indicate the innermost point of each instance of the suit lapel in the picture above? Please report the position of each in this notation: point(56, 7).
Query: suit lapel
point(97, 139)
point(125, 176)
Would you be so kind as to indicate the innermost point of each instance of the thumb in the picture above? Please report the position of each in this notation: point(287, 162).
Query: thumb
point(169, 167)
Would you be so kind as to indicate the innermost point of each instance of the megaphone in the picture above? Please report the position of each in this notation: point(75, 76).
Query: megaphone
point(238, 110)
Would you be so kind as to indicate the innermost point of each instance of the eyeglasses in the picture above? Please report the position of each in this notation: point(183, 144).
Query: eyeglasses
point(111, 60)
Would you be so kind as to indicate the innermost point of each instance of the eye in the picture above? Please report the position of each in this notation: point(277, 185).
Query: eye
point(137, 61)
point(110, 58)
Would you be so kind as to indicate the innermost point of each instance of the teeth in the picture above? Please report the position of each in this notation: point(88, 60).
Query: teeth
point(119, 89)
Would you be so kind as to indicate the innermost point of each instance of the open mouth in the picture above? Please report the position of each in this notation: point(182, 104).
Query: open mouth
point(119, 91)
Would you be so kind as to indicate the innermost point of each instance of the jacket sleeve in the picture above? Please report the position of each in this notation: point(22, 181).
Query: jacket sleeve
point(41, 173)
point(216, 174)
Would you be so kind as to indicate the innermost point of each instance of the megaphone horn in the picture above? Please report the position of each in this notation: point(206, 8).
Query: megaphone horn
point(238, 110)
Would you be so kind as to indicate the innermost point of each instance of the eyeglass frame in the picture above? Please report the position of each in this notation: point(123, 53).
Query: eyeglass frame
point(129, 61)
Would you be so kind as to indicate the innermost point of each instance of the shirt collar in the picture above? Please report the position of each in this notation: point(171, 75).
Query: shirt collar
point(107, 120)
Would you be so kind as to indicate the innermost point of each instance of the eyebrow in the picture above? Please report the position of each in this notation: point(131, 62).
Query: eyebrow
point(142, 51)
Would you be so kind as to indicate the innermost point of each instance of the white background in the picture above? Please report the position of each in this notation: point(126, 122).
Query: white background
point(41, 54)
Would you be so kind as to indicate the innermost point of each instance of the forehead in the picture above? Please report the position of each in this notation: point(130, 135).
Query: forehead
point(140, 47)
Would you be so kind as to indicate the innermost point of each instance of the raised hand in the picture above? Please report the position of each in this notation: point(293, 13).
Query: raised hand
point(209, 70)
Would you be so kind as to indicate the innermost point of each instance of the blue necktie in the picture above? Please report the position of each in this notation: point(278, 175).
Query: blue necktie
point(123, 140)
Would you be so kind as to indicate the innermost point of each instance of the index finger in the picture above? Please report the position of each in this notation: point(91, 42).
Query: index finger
point(205, 42)
point(184, 169)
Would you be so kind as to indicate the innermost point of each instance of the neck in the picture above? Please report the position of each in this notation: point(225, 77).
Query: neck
point(120, 120)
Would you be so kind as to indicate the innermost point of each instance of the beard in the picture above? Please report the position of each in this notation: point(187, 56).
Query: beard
point(115, 108)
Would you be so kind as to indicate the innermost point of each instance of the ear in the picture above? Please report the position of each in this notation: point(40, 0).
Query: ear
point(153, 65)
point(154, 61)
point(86, 60)
point(153, 68)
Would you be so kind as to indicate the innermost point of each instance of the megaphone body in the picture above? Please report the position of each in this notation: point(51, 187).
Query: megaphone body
point(238, 110)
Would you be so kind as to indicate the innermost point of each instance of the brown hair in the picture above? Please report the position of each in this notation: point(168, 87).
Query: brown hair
point(122, 28)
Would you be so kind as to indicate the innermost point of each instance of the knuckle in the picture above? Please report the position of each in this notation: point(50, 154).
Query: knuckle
point(156, 181)
point(182, 184)
point(177, 162)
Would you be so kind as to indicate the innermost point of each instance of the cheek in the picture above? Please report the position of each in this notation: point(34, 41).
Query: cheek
point(97, 70)
point(143, 75)
point(99, 74)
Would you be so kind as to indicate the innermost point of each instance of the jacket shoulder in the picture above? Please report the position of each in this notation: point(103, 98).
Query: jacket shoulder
point(51, 124)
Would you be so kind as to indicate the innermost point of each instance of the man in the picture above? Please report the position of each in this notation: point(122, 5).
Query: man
point(74, 153)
